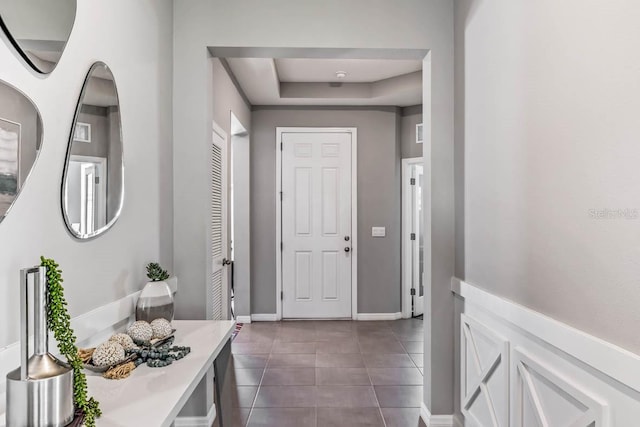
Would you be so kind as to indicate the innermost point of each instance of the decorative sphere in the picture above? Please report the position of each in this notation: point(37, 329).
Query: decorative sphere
point(140, 331)
point(124, 340)
point(108, 353)
point(161, 328)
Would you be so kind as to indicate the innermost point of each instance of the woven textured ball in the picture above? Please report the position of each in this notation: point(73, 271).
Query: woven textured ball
point(140, 331)
point(124, 340)
point(108, 353)
point(161, 328)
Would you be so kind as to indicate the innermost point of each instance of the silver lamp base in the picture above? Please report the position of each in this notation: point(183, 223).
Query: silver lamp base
point(44, 399)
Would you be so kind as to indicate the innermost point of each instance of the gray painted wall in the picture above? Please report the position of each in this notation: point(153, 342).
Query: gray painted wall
point(409, 118)
point(99, 146)
point(199, 24)
point(551, 104)
point(227, 99)
point(378, 201)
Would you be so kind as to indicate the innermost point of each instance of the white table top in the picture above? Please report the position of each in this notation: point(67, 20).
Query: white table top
point(155, 396)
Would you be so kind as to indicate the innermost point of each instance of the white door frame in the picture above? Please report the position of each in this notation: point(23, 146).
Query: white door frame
point(407, 273)
point(102, 201)
point(354, 211)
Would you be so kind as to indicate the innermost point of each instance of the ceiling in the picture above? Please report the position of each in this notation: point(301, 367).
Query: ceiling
point(313, 81)
point(358, 70)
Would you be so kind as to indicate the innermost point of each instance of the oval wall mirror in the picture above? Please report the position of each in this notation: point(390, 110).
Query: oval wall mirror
point(38, 29)
point(20, 142)
point(93, 180)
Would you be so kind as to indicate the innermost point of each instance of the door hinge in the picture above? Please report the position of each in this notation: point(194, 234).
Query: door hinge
point(413, 236)
point(97, 180)
point(413, 181)
point(281, 146)
point(281, 195)
point(281, 246)
point(281, 295)
point(413, 291)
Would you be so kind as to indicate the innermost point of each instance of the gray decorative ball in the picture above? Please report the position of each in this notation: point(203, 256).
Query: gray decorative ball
point(108, 353)
point(140, 331)
point(124, 340)
point(161, 328)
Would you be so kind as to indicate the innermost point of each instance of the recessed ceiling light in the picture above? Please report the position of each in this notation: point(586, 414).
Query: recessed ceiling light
point(341, 74)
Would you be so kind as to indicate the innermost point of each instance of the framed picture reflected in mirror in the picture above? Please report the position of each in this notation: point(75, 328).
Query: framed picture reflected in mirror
point(10, 134)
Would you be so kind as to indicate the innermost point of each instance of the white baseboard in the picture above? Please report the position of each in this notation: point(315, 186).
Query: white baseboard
point(438, 420)
point(205, 421)
point(379, 316)
point(243, 319)
point(272, 317)
point(268, 317)
point(524, 353)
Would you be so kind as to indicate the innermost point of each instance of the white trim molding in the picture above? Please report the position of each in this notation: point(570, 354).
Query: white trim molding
point(438, 420)
point(530, 369)
point(379, 316)
point(354, 211)
point(266, 317)
point(206, 421)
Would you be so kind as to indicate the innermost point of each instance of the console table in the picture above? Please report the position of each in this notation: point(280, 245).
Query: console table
point(155, 396)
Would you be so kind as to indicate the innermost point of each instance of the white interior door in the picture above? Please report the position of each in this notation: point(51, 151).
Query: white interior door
point(87, 197)
point(316, 224)
point(413, 255)
point(219, 295)
point(417, 247)
point(86, 193)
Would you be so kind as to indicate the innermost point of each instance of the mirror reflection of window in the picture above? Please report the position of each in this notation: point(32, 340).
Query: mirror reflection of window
point(93, 185)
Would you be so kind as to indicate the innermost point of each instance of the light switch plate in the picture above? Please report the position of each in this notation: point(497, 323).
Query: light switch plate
point(378, 231)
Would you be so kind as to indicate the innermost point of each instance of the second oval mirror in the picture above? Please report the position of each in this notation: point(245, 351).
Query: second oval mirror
point(93, 184)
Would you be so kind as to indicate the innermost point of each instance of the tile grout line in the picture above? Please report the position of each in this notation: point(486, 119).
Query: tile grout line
point(373, 389)
point(255, 398)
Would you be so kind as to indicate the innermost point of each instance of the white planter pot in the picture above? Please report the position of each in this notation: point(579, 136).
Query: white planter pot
point(155, 301)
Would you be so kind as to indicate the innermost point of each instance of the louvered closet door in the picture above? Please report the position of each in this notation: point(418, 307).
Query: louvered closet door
point(218, 294)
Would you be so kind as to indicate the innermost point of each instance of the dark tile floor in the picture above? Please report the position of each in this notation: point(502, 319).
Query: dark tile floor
point(328, 373)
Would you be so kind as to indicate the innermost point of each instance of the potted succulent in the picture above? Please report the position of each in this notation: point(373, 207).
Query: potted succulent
point(156, 299)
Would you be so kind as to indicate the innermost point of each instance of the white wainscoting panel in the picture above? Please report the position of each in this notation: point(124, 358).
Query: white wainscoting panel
point(546, 398)
point(553, 375)
point(484, 366)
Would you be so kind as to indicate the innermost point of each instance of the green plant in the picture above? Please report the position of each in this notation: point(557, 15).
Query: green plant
point(155, 273)
point(59, 323)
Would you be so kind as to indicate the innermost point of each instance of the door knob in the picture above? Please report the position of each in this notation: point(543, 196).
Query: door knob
point(225, 262)
point(347, 249)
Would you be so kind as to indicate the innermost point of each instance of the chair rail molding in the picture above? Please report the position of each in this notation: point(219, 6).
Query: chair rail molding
point(519, 367)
